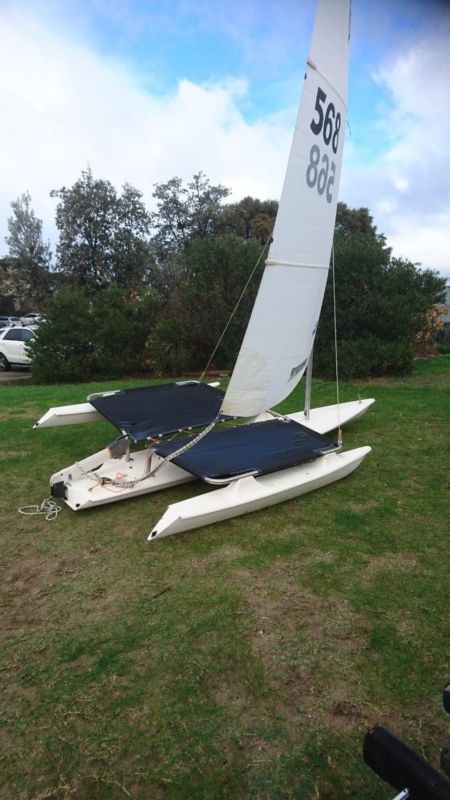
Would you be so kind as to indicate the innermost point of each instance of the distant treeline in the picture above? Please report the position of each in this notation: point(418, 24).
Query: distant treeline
point(132, 291)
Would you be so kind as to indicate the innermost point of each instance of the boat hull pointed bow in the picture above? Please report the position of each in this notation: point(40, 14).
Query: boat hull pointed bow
point(249, 494)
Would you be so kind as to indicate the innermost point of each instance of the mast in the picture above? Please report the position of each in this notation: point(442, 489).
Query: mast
point(308, 386)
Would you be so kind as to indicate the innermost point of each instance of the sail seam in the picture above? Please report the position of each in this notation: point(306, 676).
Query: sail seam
point(278, 263)
point(325, 78)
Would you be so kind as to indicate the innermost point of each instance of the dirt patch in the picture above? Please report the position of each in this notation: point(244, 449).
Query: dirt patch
point(388, 563)
point(24, 411)
point(307, 644)
point(31, 585)
point(227, 694)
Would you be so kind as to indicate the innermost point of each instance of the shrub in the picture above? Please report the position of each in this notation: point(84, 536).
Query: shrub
point(367, 357)
point(83, 339)
point(62, 348)
point(212, 272)
point(383, 308)
point(168, 351)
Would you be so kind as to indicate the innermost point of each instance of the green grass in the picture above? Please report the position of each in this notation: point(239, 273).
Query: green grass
point(244, 660)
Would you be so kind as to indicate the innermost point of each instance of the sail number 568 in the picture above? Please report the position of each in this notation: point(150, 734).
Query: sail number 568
point(327, 121)
point(321, 171)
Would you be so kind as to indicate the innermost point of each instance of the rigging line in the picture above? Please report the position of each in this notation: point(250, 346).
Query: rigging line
point(336, 348)
point(149, 472)
point(269, 239)
point(185, 447)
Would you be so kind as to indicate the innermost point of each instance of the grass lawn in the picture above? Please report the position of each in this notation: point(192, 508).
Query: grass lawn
point(244, 660)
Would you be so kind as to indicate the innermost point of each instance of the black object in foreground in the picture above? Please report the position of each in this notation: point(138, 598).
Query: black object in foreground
point(400, 766)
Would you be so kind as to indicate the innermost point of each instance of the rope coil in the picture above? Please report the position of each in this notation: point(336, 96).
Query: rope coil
point(48, 509)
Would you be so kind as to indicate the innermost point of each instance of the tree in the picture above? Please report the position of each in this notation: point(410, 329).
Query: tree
point(213, 273)
point(84, 338)
point(12, 286)
point(104, 237)
point(250, 218)
point(29, 256)
point(382, 305)
point(357, 221)
point(132, 257)
point(185, 213)
point(62, 345)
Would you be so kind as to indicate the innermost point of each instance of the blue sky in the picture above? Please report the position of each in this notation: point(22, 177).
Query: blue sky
point(142, 90)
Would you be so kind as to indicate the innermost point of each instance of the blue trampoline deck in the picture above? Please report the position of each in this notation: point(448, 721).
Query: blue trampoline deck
point(156, 410)
point(257, 448)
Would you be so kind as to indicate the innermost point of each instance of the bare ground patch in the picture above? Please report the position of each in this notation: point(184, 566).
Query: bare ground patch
point(24, 411)
point(307, 645)
point(32, 586)
point(388, 563)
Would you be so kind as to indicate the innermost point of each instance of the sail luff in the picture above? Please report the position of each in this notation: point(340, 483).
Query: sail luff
point(283, 323)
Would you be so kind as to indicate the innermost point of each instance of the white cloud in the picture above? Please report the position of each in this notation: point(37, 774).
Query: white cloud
point(407, 188)
point(66, 107)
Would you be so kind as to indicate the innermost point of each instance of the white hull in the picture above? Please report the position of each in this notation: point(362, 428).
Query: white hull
point(251, 494)
point(329, 418)
point(83, 488)
point(77, 413)
point(69, 415)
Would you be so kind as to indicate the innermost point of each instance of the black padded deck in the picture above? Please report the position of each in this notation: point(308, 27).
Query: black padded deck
point(155, 410)
point(261, 447)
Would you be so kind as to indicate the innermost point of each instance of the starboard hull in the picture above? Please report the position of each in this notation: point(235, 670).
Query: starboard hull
point(252, 494)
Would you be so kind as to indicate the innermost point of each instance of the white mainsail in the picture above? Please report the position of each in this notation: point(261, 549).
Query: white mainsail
point(281, 330)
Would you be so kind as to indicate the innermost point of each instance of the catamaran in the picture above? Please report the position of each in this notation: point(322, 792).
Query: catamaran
point(271, 457)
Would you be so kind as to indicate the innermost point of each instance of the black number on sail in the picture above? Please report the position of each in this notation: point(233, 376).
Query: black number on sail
point(316, 126)
point(336, 133)
point(327, 122)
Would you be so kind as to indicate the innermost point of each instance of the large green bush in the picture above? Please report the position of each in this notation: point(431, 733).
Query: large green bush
point(212, 273)
point(381, 304)
point(62, 348)
point(86, 338)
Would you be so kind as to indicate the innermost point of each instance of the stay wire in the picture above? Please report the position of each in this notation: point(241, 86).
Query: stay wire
point(269, 239)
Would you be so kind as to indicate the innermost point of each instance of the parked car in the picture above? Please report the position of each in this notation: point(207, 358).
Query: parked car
point(9, 321)
point(12, 347)
point(31, 319)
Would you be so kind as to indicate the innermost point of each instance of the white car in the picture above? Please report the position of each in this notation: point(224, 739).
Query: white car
point(12, 347)
point(31, 319)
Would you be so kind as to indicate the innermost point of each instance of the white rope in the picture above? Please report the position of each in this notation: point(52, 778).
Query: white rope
point(149, 473)
point(48, 509)
point(186, 447)
point(336, 349)
point(235, 308)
